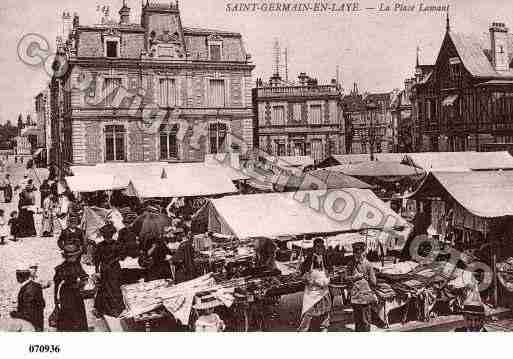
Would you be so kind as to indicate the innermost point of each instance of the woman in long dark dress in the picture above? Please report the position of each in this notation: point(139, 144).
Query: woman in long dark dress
point(109, 299)
point(8, 189)
point(69, 280)
point(26, 216)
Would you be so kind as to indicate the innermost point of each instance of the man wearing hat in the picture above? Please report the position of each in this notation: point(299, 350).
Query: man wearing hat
point(474, 314)
point(30, 300)
point(362, 276)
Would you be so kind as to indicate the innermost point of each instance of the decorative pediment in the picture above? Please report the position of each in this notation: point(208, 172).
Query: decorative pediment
point(167, 50)
point(111, 32)
point(214, 38)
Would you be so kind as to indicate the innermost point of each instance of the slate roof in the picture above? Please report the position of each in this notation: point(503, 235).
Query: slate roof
point(474, 52)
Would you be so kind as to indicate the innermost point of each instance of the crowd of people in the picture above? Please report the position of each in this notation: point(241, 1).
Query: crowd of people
point(147, 233)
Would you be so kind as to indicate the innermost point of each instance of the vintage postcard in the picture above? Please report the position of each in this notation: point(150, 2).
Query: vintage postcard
point(259, 166)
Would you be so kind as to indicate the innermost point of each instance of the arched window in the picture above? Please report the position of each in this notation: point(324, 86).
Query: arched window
point(217, 134)
point(168, 141)
point(114, 143)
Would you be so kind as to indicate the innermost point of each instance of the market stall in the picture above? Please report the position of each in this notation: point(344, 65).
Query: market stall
point(459, 161)
point(182, 182)
point(472, 213)
point(283, 214)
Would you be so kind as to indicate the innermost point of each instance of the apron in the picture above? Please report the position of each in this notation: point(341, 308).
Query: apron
point(316, 288)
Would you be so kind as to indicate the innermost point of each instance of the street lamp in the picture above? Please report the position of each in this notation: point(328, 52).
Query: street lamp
point(371, 113)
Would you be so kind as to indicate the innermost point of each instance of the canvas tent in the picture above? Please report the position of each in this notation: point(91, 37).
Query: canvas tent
point(335, 160)
point(96, 182)
point(276, 215)
point(183, 181)
point(377, 169)
point(125, 172)
point(463, 161)
point(329, 179)
point(486, 194)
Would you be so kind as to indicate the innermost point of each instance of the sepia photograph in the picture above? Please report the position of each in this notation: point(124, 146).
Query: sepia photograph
point(262, 166)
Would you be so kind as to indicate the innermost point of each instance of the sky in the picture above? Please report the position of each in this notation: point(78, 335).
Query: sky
point(375, 49)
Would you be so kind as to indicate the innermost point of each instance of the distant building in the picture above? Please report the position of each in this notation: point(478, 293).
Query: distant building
point(371, 122)
point(23, 146)
point(402, 118)
point(299, 119)
point(158, 91)
point(43, 115)
point(466, 101)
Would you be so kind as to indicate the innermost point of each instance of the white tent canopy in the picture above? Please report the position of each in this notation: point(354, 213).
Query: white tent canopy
point(183, 181)
point(96, 182)
point(125, 172)
point(282, 214)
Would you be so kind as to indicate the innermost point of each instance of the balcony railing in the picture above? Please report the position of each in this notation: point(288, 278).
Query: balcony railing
point(298, 91)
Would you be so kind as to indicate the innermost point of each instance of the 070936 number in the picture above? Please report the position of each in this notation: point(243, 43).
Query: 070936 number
point(44, 348)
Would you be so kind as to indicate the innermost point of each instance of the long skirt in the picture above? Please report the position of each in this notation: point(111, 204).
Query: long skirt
point(72, 317)
point(27, 226)
point(8, 194)
point(109, 299)
point(318, 317)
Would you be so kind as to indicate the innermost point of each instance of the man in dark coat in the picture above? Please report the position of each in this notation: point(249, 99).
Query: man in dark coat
point(30, 301)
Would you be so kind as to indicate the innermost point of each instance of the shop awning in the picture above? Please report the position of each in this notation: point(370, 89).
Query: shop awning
point(487, 194)
point(449, 100)
point(182, 182)
point(275, 215)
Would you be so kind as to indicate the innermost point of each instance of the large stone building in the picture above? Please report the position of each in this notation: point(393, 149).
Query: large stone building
point(369, 116)
point(148, 91)
point(465, 102)
point(300, 119)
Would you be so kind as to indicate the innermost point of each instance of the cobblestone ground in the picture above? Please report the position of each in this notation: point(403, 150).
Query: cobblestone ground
point(45, 253)
point(35, 250)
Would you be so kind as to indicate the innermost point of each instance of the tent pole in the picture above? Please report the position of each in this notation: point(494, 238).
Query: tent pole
point(494, 271)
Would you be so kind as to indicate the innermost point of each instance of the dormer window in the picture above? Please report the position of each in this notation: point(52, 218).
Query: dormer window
point(215, 52)
point(215, 48)
point(111, 46)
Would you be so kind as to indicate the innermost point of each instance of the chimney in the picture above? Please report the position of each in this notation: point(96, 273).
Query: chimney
point(67, 24)
point(124, 14)
point(499, 46)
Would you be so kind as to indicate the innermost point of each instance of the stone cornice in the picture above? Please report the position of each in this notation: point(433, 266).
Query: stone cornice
point(157, 64)
point(105, 112)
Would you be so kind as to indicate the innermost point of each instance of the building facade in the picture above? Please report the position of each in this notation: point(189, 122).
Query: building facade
point(43, 115)
point(301, 119)
point(370, 118)
point(148, 91)
point(465, 103)
point(402, 118)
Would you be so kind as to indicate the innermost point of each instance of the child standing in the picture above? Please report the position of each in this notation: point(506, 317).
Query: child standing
point(13, 223)
point(4, 227)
